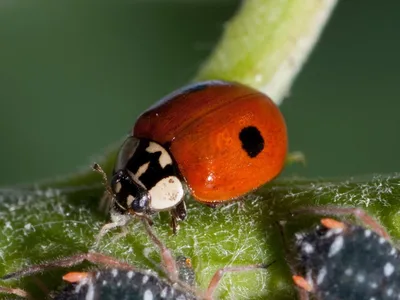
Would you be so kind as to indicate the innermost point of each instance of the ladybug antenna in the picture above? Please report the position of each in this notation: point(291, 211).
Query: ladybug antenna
point(96, 167)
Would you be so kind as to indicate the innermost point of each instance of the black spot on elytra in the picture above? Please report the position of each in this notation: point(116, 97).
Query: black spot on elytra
point(252, 141)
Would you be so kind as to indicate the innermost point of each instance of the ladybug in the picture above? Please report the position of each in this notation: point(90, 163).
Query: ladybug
point(215, 140)
point(341, 260)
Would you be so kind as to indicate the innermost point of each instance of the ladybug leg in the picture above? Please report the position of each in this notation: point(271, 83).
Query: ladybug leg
point(174, 225)
point(178, 213)
point(221, 272)
point(17, 292)
point(359, 213)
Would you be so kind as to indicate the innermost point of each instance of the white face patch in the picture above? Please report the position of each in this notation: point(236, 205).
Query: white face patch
point(165, 159)
point(167, 193)
point(117, 187)
point(129, 200)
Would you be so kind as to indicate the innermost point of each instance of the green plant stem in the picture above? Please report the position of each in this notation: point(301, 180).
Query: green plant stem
point(267, 42)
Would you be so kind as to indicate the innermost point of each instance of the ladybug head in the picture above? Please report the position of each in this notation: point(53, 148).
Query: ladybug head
point(130, 197)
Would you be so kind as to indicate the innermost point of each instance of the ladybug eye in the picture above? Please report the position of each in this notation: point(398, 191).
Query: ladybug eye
point(129, 195)
point(140, 203)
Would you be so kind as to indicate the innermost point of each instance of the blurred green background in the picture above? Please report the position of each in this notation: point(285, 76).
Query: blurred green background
point(75, 75)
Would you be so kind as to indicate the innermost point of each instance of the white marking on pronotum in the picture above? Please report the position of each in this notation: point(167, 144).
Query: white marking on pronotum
point(367, 233)
point(135, 178)
point(321, 275)
point(167, 193)
point(165, 159)
point(336, 246)
point(381, 240)
point(389, 292)
point(393, 251)
point(388, 269)
point(148, 295)
point(142, 169)
point(373, 285)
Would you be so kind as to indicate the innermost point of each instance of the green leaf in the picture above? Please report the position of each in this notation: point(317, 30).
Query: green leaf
point(264, 45)
point(45, 224)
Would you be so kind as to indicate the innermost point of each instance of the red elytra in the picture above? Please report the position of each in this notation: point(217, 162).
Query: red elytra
point(226, 138)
